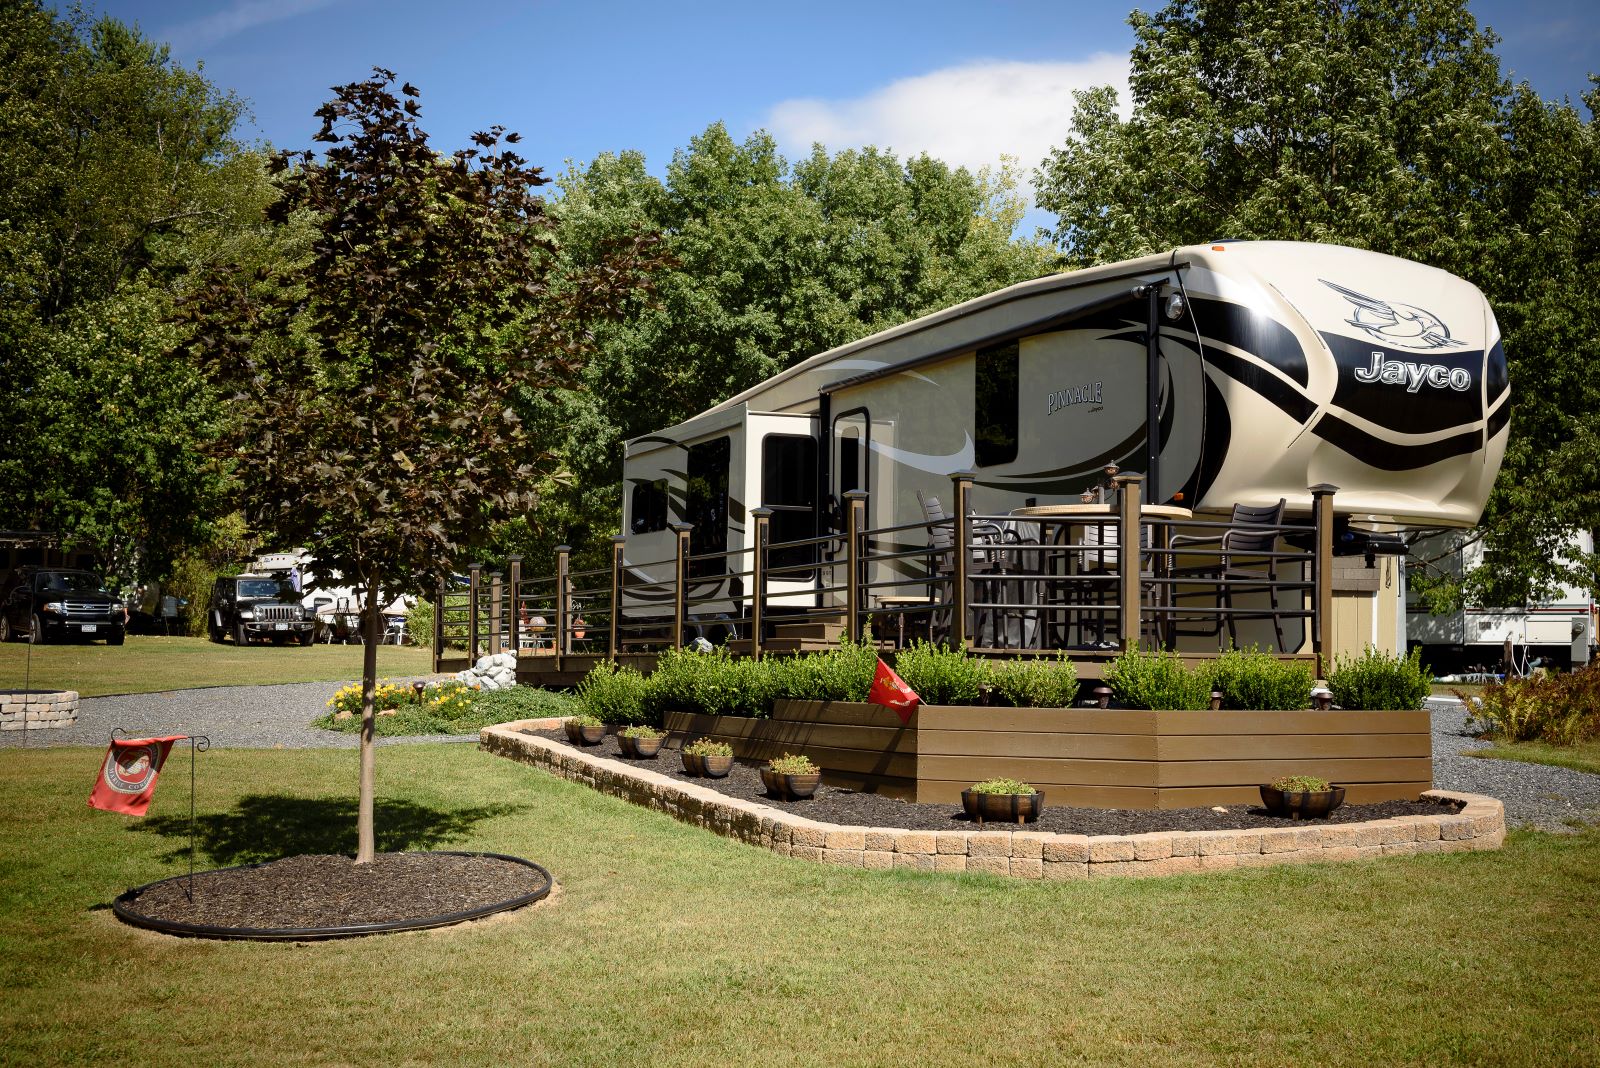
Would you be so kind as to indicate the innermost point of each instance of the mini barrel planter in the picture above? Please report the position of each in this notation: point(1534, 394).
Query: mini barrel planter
point(1301, 797)
point(640, 744)
point(793, 778)
point(710, 760)
point(1002, 800)
point(582, 731)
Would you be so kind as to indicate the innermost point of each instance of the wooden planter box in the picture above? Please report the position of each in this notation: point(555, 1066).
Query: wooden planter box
point(1085, 757)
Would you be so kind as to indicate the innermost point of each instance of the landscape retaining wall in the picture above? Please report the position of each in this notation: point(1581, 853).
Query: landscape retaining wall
point(1025, 854)
point(38, 709)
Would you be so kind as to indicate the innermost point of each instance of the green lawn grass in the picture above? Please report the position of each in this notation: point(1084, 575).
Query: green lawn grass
point(1584, 756)
point(147, 664)
point(665, 945)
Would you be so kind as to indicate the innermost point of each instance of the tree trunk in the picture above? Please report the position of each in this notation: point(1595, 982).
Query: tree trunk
point(366, 849)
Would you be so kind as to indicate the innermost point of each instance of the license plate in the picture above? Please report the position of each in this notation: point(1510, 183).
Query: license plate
point(90, 628)
point(280, 626)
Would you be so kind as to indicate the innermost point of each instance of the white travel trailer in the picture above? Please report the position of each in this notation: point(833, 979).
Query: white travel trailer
point(1559, 631)
point(1267, 367)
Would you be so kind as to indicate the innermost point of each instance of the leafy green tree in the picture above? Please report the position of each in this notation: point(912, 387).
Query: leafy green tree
point(1382, 124)
point(371, 383)
point(771, 264)
point(118, 176)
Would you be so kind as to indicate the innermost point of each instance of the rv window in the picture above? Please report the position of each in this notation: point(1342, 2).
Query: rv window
point(648, 508)
point(707, 504)
point(789, 488)
point(996, 405)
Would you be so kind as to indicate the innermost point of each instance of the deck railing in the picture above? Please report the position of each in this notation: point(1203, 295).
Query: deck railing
point(998, 584)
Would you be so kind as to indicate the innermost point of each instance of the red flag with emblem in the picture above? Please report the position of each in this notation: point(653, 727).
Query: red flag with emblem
point(127, 779)
point(891, 691)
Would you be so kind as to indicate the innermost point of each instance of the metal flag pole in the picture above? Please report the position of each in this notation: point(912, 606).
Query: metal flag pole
point(198, 743)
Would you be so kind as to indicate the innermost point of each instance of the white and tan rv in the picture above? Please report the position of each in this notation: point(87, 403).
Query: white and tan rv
point(1275, 366)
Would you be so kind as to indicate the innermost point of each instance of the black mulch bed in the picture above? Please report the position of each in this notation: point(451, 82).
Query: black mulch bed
point(334, 891)
point(852, 808)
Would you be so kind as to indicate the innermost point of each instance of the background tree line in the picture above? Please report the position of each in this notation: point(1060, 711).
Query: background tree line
point(1380, 123)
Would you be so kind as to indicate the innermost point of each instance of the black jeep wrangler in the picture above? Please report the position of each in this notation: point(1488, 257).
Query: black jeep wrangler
point(56, 602)
point(256, 607)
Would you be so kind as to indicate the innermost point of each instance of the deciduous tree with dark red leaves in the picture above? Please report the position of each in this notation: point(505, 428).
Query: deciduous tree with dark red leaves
point(373, 375)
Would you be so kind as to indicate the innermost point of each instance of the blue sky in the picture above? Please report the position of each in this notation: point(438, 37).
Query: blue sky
point(963, 81)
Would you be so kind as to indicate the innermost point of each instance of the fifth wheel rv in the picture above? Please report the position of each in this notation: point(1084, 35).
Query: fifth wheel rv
point(1265, 368)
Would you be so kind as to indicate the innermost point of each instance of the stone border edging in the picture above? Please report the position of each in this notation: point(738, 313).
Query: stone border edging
point(1019, 854)
point(33, 710)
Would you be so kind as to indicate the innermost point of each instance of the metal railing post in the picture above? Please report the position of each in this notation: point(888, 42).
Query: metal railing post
point(758, 576)
point(855, 503)
point(474, 588)
point(438, 628)
point(496, 592)
point(1128, 501)
point(1322, 568)
point(680, 583)
point(514, 585)
point(961, 491)
point(563, 643)
point(618, 543)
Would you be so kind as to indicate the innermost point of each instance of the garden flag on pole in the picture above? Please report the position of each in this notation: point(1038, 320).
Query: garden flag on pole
point(891, 691)
point(128, 775)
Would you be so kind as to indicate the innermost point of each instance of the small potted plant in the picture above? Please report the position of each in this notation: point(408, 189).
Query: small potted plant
point(711, 759)
point(1301, 797)
point(640, 743)
point(584, 729)
point(1002, 799)
point(792, 777)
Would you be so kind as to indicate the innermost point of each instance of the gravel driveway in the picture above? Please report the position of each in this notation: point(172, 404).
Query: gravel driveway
point(233, 717)
point(276, 717)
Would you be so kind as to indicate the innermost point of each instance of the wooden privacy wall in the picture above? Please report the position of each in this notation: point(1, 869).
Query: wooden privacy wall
point(1087, 757)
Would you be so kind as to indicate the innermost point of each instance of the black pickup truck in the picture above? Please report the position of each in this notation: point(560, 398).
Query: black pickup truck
point(42, 603)
point(258, 607)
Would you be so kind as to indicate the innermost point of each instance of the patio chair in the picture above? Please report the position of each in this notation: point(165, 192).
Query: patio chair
point(1251, 530)
point(986, 536)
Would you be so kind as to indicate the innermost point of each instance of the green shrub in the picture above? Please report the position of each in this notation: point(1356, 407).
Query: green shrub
point(1002, 786)
point(1157, 680)
point(615, 695)
point(640, 731)
point(789, 764)
point(524, 702)
point(1256, 680)
point(1037, 683)
point(419, 623)
point(1558, 709)
point(714, 684)
point(706, 747)
point(1380, 681)
point(943, 676)
point(841, 674)
point(1296, 784)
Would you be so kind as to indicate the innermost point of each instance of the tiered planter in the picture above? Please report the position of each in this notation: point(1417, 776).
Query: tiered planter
point(1098, 758)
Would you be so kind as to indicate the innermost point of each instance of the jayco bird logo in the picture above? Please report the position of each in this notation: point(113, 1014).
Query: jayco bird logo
point(1404, 325)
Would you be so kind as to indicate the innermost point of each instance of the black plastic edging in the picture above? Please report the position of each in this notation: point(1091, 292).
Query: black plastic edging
point(122, 907)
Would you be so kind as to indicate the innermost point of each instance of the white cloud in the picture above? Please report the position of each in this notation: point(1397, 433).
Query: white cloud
point(244, 15)
point(967, 115)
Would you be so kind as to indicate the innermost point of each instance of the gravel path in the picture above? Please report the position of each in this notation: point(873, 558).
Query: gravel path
point(233, 717)
point(277, 717)
point(1535, 795)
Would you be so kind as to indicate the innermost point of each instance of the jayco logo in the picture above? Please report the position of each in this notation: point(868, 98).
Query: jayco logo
point(1088, 393)
point(1414, 375)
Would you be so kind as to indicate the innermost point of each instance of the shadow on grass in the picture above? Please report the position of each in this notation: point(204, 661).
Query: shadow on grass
point(272, 826)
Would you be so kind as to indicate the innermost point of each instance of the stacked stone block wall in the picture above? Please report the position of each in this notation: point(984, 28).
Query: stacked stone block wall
point(1023, 854)
point(37, 709)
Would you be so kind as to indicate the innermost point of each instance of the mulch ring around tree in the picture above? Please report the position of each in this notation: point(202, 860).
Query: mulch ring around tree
point(852, 808)
point(314, 897)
